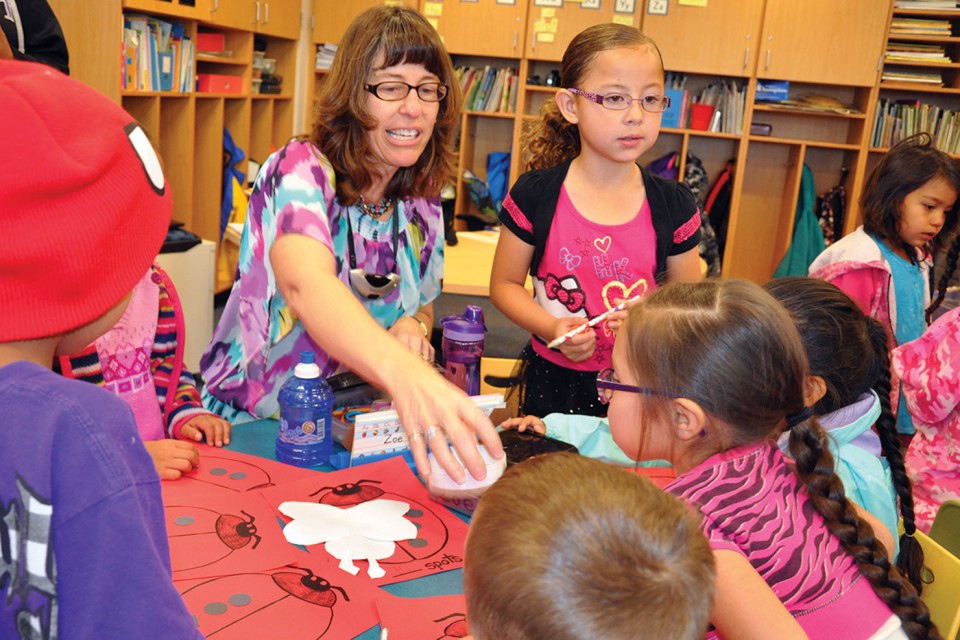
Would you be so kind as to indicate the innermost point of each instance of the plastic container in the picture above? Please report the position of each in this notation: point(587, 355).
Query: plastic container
point(306, 416)
point(462, 348)
point(269, 65)
point(463, 497)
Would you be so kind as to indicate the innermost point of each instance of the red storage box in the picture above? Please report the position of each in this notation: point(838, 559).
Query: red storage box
point(216, 83)
point(210, 42)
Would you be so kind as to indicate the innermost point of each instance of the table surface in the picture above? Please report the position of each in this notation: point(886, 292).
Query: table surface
point(258, 438)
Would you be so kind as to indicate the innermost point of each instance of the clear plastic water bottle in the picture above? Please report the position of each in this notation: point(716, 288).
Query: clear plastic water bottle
point(462, 348)
point(306, 416)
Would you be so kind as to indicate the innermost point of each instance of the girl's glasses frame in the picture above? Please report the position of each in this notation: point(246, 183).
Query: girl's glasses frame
point(622, 101)
point(607, 384)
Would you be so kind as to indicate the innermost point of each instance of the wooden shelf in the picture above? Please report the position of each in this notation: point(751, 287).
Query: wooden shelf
point(491, 114)
point(816, 113)
point(819, 144)
point(903, 86)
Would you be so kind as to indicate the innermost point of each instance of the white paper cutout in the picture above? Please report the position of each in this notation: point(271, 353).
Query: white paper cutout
point(367, 531)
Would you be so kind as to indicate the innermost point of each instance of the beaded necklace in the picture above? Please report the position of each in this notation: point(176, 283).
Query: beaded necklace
point(375, 210)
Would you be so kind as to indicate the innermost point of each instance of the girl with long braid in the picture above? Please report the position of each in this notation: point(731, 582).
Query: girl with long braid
point(707, 376)
point(848, 387)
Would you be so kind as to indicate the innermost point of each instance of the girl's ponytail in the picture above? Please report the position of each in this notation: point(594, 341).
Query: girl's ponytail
point(952, 255)
point(552, 140)
point(910, 561)
point(814, 467)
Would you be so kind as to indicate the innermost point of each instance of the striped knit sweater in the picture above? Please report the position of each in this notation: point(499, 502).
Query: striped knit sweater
point(166, 361)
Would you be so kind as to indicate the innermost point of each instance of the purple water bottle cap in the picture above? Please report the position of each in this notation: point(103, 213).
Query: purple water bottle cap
point(473, 313)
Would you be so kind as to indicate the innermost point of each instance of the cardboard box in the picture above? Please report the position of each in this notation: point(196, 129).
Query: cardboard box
point(217, 83)
point(210, 42)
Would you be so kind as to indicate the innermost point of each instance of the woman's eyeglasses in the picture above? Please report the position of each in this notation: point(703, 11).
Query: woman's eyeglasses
point(622, 101)
point(395, 91)
point(372, 286)
point(607, 383)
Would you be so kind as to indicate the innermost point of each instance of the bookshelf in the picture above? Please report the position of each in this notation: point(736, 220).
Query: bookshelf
point(185, 124)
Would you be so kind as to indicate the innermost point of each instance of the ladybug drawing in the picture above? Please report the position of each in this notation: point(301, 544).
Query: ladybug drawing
point(228, 473)
point(207, 534)
point(435, 534)
point(457, 628)
point(250, 604)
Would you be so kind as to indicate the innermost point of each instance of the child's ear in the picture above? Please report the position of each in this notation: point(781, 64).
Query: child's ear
point(567, 104)
point(689, 419)
point(814, 388)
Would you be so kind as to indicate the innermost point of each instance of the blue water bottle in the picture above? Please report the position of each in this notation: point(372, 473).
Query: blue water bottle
point(306, 416)
point(462, 348)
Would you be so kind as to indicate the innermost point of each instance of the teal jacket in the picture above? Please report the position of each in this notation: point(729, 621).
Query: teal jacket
point(858, 461)
point(807, 242)
point(591, 435)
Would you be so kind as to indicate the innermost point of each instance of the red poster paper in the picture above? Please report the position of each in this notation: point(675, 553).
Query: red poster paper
point(236, 471)
point(303, 602)
point(213, 532)
point(441, 535)
point(434, 618)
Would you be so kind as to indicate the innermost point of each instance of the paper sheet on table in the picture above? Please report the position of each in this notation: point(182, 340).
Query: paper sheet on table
point(367, 531)
point(309, 601)
point(236, 471)
point(440, 535)
point(439, 617)
point(214, 533)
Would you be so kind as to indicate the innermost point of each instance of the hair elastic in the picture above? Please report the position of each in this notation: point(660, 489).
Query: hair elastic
point(801, 416)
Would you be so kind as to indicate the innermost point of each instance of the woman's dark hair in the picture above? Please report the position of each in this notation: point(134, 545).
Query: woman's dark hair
point(388, 35)
point(729, 346)
point(848, 351)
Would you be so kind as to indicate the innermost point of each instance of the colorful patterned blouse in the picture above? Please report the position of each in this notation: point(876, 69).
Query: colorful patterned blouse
point(256, 345)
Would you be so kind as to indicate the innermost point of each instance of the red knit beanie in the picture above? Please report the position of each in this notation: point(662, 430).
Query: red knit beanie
point(84, 206)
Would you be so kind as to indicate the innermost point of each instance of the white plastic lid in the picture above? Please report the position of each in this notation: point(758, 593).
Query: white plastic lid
point(307, 369)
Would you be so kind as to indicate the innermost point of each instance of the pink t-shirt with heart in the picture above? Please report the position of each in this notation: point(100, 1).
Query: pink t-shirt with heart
point(124, 353)
point(587, 266)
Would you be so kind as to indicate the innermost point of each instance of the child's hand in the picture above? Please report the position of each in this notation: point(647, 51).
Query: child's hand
point(533, 423)
point(579, 347)
point(214, 428)
point(615, 320)
point(172, 458)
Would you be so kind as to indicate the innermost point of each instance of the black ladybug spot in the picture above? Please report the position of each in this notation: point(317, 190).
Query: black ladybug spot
point(414, 513)
point(417, 542)
point(215, 608)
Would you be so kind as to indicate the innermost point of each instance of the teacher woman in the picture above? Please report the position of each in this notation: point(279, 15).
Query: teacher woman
point(342, 250)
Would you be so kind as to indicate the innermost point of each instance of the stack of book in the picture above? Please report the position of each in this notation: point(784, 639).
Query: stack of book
point(914, 52)
point(919, 27)
point(325, 53)
point(924, 77)
point(925, 4)
point(726, 96)
point(157, 55)
point(899, 119)
point(488, 89)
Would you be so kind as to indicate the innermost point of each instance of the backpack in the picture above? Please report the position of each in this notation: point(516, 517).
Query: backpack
point(717, 206)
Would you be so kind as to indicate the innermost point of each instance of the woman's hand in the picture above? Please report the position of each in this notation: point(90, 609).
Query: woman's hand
point(414, 337)
point(579, 347)
point(432, 411)
point(533, 423)
point(172, 458)
point(214, 428)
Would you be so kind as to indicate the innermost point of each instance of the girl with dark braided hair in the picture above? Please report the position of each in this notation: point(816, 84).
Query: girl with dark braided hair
point(848, 387)
point(707, 375)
